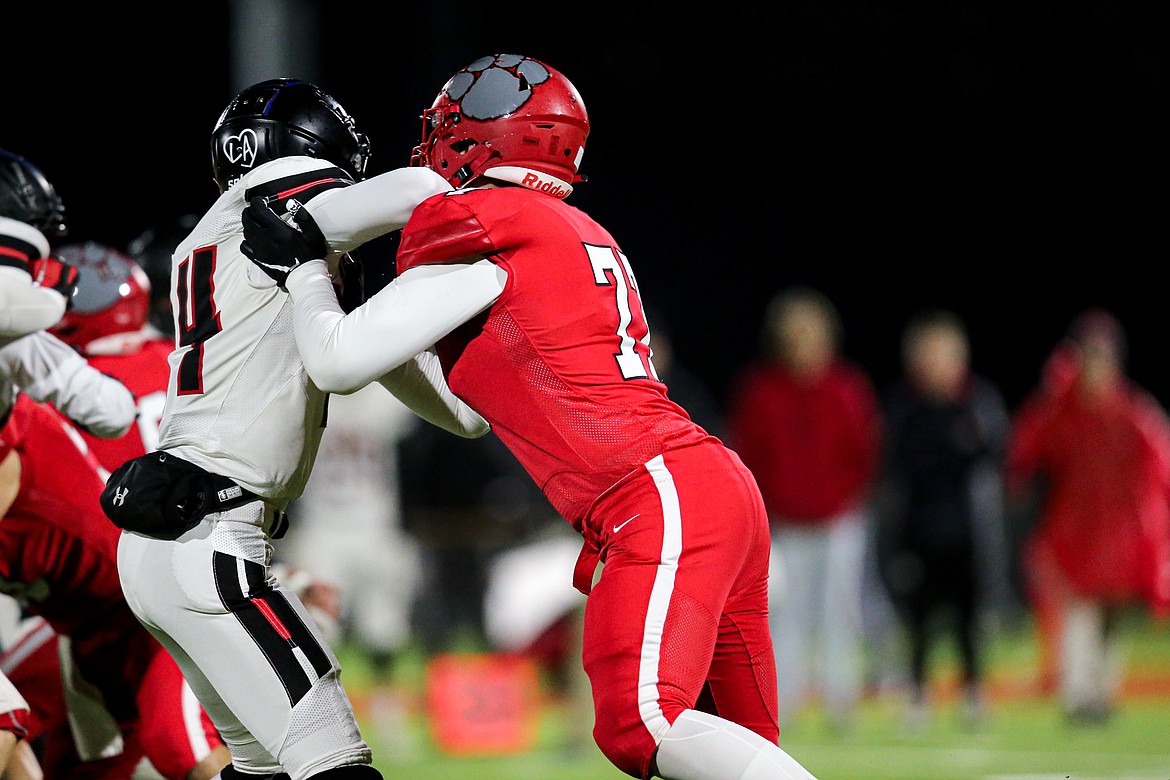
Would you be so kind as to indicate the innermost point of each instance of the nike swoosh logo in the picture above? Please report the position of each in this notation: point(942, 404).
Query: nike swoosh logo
point(617, 528)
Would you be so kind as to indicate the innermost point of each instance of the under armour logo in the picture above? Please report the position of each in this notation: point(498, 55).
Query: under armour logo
point(241, 149)
point(120, 494)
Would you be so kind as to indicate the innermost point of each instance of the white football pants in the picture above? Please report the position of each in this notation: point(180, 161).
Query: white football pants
point(246, 645)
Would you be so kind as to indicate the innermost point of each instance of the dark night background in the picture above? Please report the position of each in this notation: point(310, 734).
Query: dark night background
point(1007, 160)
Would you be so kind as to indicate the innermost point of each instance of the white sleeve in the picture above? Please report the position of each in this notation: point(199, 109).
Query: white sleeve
point(26, 307)
point(419, 383)
point(49, 370)
point(344, 352)
point(351, 216)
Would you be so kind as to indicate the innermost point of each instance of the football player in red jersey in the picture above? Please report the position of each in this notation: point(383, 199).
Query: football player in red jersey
point(536, 316)
point(108, 324)
point(58, 551)
point(60, 562)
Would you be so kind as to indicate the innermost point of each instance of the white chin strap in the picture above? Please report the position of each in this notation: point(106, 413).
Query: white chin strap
point(699, 746)
point(533, 180)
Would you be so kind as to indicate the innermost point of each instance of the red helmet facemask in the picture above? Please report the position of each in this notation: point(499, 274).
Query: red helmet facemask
point(506, 117)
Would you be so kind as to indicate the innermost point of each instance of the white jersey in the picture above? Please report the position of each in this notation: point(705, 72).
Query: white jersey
point(239, 401)
point(50, 371)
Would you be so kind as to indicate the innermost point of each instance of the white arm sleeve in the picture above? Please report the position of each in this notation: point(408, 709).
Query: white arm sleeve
point(344, 352)
point(350, 216)
point(419, 383)
point(49, 370)
point(26, 307)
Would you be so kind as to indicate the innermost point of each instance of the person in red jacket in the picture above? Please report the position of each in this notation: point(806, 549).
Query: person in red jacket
point(1096, 446)
point(806, 421)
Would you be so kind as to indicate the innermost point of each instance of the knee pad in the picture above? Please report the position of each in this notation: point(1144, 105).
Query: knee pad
point(707, 747)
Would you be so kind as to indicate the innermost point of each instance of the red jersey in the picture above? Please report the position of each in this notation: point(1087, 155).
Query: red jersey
point(145, 373)
point(813, 446)
point(58, 550)
point(1106, 467)
point(560, 365)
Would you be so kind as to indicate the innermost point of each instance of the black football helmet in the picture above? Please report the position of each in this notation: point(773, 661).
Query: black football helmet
point(27, 196)
point(280, 118)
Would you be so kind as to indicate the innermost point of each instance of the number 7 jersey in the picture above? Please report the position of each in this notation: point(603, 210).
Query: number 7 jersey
point(560, 365)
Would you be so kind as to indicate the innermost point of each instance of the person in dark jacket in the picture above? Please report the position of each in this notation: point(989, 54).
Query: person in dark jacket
point(938, 502)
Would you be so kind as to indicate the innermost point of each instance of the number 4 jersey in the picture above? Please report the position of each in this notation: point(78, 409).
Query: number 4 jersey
point(239, 402)
point(560, 365)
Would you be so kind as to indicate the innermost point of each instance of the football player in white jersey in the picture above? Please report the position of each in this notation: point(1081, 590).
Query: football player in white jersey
point(31, 213)
point(35, 289)
point(241, 406)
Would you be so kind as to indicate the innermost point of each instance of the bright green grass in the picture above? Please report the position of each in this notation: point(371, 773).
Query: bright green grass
point(1024, 738)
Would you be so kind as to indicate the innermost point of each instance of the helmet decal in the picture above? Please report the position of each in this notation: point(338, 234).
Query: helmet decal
point(241, 149)
point(492, 87)
point(509, 118)
point(280, 118)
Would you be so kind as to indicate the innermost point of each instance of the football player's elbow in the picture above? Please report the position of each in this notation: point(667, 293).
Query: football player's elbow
point(476, 428)
point(334, 377)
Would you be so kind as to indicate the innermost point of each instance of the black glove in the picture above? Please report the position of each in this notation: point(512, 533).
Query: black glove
point(276, 245)
point(57, 275)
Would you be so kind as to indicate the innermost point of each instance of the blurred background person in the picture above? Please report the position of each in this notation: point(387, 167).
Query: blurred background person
point(938, 504)
point(465, 501)
point(347, 529)
point(152, 249)
point(1092, 448)
point(806, 421)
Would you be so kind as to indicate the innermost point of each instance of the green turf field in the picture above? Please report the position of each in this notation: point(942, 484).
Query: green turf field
point(1024, 737)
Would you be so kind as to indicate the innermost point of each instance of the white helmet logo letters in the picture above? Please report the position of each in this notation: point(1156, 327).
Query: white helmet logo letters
point(241, 149)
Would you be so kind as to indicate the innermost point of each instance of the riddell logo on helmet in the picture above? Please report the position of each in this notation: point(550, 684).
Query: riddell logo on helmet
point(548, 186)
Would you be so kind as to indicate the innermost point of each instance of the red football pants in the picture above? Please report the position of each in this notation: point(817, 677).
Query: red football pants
point(681, 608)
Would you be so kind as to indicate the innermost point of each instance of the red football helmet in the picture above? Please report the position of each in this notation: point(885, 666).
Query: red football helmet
point(506, 117)
point(112, 296)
